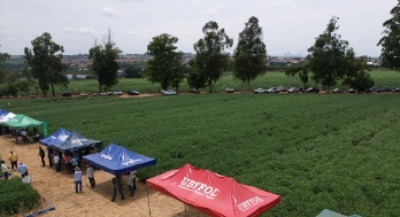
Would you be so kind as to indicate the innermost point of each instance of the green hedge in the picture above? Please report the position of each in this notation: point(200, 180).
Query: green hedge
point(17, 197)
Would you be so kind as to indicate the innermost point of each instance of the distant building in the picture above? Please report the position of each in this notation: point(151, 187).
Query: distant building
point(78, 76)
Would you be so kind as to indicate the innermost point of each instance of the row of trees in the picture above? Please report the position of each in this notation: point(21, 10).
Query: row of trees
point(330, 59)
point(211, 59)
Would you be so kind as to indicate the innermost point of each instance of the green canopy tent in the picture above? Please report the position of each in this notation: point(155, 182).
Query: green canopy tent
point(21, 122)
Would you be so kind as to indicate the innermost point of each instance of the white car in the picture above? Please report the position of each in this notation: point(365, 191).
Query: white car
point(273, 90)
point(168, 92)
point(260, 90)
point(229, 90)
point(83, 94)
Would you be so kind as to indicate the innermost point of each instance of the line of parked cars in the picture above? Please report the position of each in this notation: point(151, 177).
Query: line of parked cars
point(230, 89)
point(281, 89)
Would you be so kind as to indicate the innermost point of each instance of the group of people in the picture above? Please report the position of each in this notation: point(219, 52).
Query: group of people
point(35, 136)
point(71, 163)
point(78, 177)
point(15, 166)
point(116, 182)
point(117, 185)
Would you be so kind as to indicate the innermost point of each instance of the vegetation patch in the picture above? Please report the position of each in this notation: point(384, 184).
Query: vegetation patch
point(17, 197)
point(336, 151)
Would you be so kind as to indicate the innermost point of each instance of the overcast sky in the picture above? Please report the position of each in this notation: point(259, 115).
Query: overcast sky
point(289, 26)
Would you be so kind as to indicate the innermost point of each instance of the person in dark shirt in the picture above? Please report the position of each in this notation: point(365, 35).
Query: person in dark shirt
point(116, 181)
point(42, 155)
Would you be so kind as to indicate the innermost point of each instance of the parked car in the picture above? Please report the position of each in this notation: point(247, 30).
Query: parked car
point(312, 90)
point(375, 90)
point(260, 90)
point(133, 92)
point(195, 90)
point(281, 89)
point(66, 94)
point(397, 89)
point(386, 89)
point(105, 93)
point(229, 90)
point(337, 90)
point(293, 90)
point(273, 90)
point(352, 90)
point(83, 94)
point(168, 92)
point(117, 93)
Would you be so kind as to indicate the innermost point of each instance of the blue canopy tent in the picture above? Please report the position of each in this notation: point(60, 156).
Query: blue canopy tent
point(118, 160)
point(77, 142)
point(4, 118)
point(56, 139)
point(3, 112)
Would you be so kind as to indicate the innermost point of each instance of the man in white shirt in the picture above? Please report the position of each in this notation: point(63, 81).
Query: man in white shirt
point(90, 175)
point(57, 162)
point(22, 169)
point(4, 169)
point(132, 182)
point(78, 179)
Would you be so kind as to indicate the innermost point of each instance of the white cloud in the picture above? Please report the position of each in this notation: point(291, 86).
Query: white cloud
point(215, 9)
point(131, 0)
point(82, 30)
point(133, 32)
point(108, 11)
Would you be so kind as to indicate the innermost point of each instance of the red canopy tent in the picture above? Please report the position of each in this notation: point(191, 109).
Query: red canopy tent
point(213, 194)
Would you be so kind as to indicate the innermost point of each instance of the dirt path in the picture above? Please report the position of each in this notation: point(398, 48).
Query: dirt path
point(59, 190)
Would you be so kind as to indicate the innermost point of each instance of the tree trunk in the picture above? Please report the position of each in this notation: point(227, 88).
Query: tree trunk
point(52, 89)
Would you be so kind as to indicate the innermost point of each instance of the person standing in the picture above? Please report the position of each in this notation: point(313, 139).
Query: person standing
point(42, 155)
point(116, 181)
point(73, 161)
point(13, 160)
point(78, 179)
point(132, 182)
point(57, 162)
point(90, 175)
point(50, 156)
point(24, 135)
point(67, 159)
point(4, 169)
point(22, 169)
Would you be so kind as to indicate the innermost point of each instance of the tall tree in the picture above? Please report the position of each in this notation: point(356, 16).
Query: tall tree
point(250, 54)
point(46, 63)
point(3, 58)
point(390, 42)
point(211, 58)
point(302, 69)
point(166, 66)
point(327, 59)
point(104, 63)
point(195, 79)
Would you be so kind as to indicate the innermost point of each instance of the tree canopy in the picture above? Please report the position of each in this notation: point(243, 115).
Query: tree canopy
point(250, 54)
point(104, 63)
point(166, 66)
point(211, 58)
point(390, 42)
point(330, 57)
point(45, 61)
point(3, 58)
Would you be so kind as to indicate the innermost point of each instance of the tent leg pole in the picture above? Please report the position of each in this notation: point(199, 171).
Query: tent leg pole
point(148, 200)
point(185, 210)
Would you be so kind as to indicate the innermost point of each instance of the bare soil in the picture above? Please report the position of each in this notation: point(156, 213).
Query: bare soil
point(59, 190)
